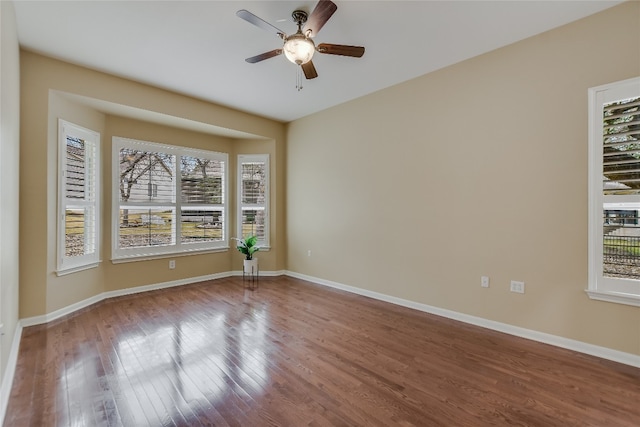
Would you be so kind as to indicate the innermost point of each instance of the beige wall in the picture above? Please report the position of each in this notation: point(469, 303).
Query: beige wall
point(9, 175)
point(46, 87)
point(418, 190)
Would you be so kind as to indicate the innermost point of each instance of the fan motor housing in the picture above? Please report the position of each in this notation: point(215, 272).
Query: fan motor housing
point(299, 16)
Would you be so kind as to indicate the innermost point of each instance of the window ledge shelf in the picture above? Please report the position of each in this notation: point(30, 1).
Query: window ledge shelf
point(620, 298)
point(134, 258)
point(64, 272)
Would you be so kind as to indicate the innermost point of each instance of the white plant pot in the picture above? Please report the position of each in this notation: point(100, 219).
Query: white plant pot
point(251, 266)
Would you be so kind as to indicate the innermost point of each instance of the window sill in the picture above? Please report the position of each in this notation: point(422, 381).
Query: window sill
point(134, 258)
point(77, 269)
point(620, 298)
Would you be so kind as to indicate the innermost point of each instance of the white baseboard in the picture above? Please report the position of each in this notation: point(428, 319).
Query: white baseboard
point(9, 373)
point(579, 346)
point(46, 318)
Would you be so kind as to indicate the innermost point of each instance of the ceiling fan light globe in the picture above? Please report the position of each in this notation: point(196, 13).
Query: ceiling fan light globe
point(299, 49)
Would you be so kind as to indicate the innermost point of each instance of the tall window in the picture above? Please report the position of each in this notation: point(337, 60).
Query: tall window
point(614, 191)
point(78, 198)
point(167, 199)
point(253, 191)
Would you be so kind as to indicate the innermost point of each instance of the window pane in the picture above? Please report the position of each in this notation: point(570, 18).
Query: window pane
point(171, 199)
point(146, 227)
point(621, 176)
point(253, 186)
point(77, 234)
point(253, 222)
point(614, 192)
point(621, 147)
point(146, 176)
point(75, 172)
point(79, 238)
point(253, 183)
point(201, 225)
point(201, 180)
point(621, 244)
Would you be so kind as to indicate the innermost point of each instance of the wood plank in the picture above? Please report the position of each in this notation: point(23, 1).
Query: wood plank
point(295, 353)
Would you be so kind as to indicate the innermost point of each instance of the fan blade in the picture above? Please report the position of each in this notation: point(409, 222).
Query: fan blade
point(341, 49)
point(309, 70)
point(320, 15)
point(264, 56)
point(259, 22)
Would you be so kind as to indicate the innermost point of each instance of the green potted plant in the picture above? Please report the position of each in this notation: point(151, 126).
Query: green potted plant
point(248, 247)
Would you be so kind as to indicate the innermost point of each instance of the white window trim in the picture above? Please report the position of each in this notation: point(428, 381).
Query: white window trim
point(64, 264)
point(604, 288)
point(147, 253)
point(248, 158)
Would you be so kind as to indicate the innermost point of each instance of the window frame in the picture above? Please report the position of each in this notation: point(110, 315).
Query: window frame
point(264, 244)
point(66, 264)
point(177, 247)
point(618, 290)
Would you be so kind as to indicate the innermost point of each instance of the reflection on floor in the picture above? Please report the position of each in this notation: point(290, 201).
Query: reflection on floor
point(291, 353)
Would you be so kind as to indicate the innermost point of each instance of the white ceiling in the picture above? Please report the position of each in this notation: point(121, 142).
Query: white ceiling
point(198, 48)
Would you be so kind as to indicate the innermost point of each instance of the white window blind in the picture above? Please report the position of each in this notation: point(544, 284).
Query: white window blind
point(253, 190)
point(614, 220)
point(79, 199)
point(621, 147)
point(168, 199)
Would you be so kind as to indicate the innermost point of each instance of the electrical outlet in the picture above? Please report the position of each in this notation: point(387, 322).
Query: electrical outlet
point(172, 264)
point(309, 252)
point(517, 287)
point(484, 281)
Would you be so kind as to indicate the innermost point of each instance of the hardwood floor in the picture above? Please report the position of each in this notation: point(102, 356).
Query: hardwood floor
point(297, 354)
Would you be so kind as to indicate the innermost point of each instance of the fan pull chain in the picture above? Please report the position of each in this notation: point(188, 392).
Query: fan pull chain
point(299, 79)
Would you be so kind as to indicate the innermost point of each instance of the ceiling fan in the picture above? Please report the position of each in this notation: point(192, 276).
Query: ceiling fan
point(299, 47)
